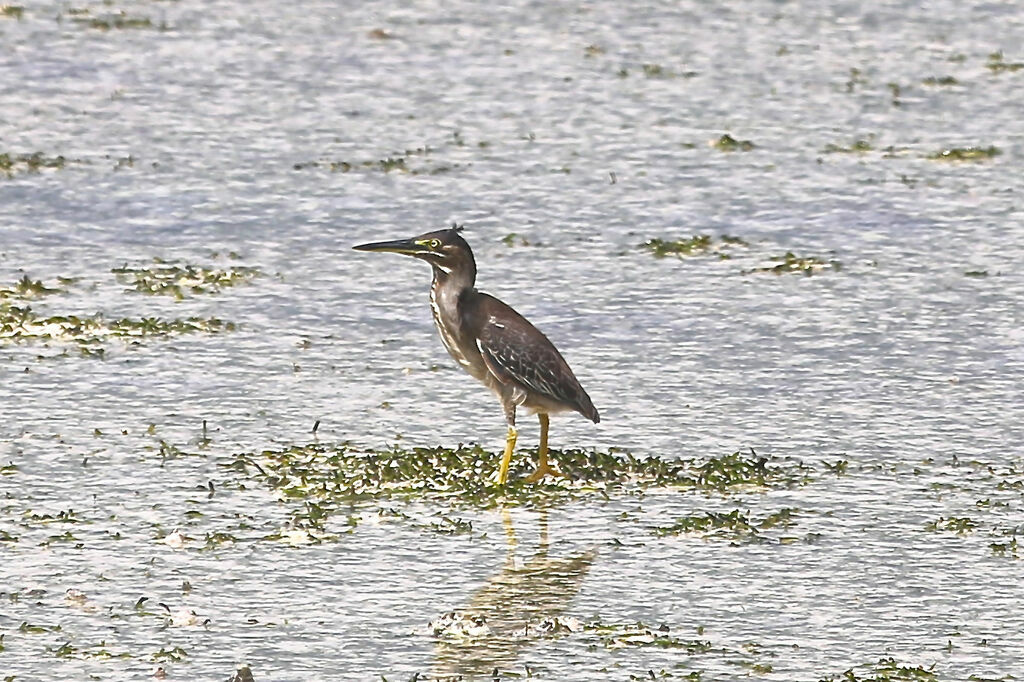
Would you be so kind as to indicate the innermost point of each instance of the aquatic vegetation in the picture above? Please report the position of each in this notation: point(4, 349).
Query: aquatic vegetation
point(697, 245)
point(118, 20)
point(735, 526)
point(628, 635)
point(997, 64)
point(323, 481)
point(21, 324)
point(514, 239)
point(966, 154)
point(100, 651)
point(401, 162)
point(940, 81)
point(174, 654)
point(727, 143)
point(27, 288)
point(169, 279)
point(12, 11)
point(886, 670)
point(856, 79)
point(956, 524)
point(659, 71)
point(1000, 549)
point(792, 263)
point(858, 147)
point(11, 164)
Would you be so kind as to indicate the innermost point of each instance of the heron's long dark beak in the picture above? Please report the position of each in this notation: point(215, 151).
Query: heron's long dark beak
point(406, 246)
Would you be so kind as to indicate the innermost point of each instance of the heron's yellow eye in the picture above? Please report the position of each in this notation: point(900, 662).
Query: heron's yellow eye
point(434, 244)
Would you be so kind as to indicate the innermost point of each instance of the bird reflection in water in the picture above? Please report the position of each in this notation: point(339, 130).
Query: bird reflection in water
point(523, 602)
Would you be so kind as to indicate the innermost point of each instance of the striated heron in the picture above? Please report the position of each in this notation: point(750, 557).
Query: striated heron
point(493, 342)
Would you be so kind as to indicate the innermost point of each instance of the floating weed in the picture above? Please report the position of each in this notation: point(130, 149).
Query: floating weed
point(121, 20)
point(12, 11)
point(659, 71)
point(175, 654)
point(31, 629)
point(966, 154)
point(961, 525)
point(727, 143)
point(21, 324)
point(940, 81)
point(514, 239)
point(857, 147)
point(168, 279)
point(11, 164)
point(735, 525)
point(629, 635)
point(839, 467)
point(401, 162)
point(330, 478)
point(997, 64)
point(886, 670)
point(700, 244)
point(793, 263)
point(98, 652)
point(1005, 549)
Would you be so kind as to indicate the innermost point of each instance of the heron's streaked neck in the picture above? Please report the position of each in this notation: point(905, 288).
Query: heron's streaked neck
point(458, 279)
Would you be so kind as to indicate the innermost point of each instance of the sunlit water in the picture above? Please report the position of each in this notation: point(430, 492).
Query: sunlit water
point(538, 119)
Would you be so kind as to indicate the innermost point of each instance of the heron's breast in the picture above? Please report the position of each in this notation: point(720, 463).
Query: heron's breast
point(463, 350)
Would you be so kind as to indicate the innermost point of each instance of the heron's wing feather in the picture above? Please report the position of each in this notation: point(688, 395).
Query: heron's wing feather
point(515, 349)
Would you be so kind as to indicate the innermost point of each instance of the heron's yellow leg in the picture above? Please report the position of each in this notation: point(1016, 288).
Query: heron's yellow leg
point(543, 467)
point(510, 445)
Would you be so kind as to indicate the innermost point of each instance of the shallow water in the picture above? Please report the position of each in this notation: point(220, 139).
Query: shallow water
point(212, 132)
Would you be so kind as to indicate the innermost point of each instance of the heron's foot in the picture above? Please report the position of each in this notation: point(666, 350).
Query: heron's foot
point(544, 469)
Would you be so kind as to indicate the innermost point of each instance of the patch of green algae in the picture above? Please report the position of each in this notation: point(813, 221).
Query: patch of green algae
point(338, 475)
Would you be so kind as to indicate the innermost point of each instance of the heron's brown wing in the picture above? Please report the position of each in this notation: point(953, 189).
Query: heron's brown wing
point(514, 348)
